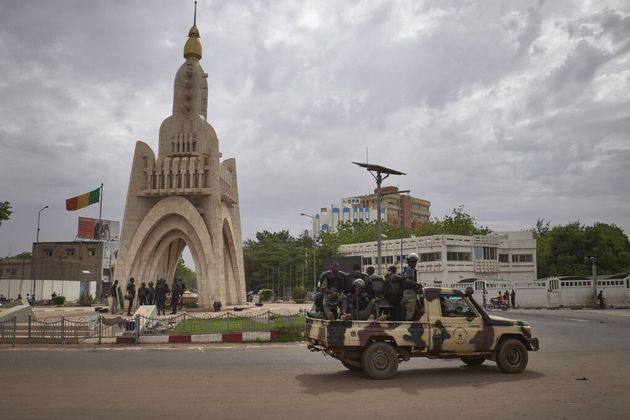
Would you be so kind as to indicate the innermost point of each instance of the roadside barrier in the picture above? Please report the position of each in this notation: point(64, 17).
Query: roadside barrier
point(182, 328)
point(8, 330)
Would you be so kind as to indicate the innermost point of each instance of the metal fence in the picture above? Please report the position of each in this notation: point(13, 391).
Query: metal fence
point(8, 330)
point(72, 330)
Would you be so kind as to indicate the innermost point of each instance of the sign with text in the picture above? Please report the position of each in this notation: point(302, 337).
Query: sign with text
point(100, 230)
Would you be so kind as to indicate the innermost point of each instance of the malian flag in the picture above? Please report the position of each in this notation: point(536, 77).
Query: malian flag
point(83, 200)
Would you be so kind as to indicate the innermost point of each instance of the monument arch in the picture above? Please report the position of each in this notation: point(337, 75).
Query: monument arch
point(185, 196)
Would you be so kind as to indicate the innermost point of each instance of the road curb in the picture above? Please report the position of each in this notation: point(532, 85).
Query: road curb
point(244, 337)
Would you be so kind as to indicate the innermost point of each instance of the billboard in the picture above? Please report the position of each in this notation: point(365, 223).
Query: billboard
point(100, 230)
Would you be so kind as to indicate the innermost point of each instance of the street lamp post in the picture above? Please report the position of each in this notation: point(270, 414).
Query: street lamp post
point(313, 236)
point(377, 172)
point(38, 218)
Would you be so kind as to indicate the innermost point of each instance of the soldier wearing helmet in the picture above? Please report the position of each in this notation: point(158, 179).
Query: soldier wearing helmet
point(332, 283)
point(358, 305)
point(411, 287)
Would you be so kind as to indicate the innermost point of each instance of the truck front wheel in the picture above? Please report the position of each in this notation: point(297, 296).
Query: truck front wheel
point(512, 356)
point(380, 361)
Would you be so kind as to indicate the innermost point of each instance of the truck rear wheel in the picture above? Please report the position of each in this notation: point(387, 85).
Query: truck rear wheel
point(380, 361)
point(512, 356)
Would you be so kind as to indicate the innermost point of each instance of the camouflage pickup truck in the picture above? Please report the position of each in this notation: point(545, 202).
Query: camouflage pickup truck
point(452, 325)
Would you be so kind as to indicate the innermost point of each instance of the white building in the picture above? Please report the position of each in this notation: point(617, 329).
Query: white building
point(449, 259)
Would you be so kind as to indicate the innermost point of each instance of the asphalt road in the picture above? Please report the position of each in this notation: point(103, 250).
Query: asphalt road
point(581, 372)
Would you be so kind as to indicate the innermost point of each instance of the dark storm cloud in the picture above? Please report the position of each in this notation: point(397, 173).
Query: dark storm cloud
point(517, 110)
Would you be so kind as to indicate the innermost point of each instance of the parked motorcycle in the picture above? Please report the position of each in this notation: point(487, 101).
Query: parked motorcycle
point(497, 304)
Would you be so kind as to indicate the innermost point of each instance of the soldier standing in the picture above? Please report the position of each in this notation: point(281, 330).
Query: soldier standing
point(175, 295)
point(151, 296)
point(513, 299)
point(160, 295)
point(131, 294)
point(113, 291)
point(410, 287)
point(393, 294)
point(332, 283)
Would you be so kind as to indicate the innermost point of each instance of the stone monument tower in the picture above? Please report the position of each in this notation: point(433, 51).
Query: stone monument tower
point(186, 196)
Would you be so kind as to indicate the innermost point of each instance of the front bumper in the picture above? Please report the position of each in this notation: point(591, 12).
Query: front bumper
point(533, 344)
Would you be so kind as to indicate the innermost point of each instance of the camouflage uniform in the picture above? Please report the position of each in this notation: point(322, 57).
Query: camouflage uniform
point(410, 292)
point(334, 282)
point(359, 305)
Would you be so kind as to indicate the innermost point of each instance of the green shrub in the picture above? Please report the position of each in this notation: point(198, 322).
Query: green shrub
point(298, 294)
point(59, 300)
point(266, 294)
point(86, 299)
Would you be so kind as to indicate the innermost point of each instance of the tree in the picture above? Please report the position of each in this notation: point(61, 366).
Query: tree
point(566, 250)
point(459, 223)
point(188, 276)
point(541, 228)
point(5, 211)
point(277, 258)
point(26, 255)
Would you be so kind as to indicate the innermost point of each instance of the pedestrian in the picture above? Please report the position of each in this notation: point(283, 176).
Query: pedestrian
point(513, 299)
point(506, 298)
point(131, 294)
point(600, 298)
point(113, 291)
point(143, 293)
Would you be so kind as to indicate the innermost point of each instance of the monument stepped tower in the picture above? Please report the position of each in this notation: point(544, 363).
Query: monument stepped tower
point(186, 196)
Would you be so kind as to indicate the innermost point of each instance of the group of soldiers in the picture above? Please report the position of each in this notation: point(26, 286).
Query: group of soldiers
point(366, 296)
point(148, 295)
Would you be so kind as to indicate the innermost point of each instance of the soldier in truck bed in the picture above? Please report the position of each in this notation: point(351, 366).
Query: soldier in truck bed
point(411, 288)
point(332, 284)
point(358, 305)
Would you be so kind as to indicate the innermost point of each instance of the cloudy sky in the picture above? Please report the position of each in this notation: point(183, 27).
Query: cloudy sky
point(517, 110)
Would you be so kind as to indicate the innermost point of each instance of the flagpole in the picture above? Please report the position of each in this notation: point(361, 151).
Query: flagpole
point(100, 206)
point(99, 283)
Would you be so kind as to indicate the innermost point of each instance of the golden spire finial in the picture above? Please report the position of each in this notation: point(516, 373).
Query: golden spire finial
point(192, 49)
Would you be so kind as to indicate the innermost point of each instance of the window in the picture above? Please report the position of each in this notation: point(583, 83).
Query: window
point(70, 252)
point(522, 258)
point(453, 305)
point(367, 260)
point(47, 252)
point(91, 252)
point(504, 258)
point(458, 256)
point(106, 272)
point(485, 253)
point(431, 256)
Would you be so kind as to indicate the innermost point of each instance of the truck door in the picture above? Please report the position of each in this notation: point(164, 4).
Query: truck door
point(460, 328)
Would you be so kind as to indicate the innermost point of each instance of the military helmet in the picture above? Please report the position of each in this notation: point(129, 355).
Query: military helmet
point(412, 257)
point(358, 282)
